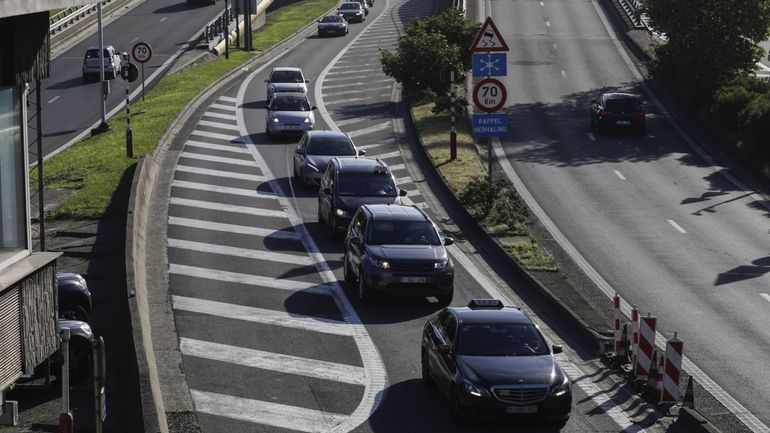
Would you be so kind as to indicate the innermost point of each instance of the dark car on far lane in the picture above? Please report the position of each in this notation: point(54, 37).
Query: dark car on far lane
point(352, 12)
point(617, 111)
point(489, 360)
point(332, 25)
point(314, 151)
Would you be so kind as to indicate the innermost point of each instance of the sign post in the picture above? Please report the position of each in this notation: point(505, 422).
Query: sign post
point(142, 53)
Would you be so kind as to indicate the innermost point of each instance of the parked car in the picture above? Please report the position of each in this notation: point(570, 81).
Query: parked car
point(332, 25)
point(364, 4)
point(314, 151)
point(352, 11)
point(619, 111)
point(285, 79)
point(289, 113)
point(398, 249)
point(348, 183)
point(488, 359)
point(74, 296)
point(112, 63)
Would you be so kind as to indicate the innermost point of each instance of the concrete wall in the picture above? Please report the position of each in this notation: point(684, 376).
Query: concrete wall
point(22, 7)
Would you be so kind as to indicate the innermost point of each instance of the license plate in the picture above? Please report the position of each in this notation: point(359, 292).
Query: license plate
point(623, 122)
point(414, 279)
point(291, 127)
point(521, 409)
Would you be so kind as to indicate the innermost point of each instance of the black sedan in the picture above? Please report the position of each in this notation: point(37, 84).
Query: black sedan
point(332, 25)
point(617, 111)
point(492, 360)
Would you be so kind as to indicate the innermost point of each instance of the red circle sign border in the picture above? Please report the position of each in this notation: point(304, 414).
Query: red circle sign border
point(477, 89)
point(140, 44)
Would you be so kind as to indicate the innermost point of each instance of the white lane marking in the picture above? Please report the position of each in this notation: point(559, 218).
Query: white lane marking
point(233, 228)
point(357, 71)
point(227, 207)
point(353, 120)
point(52, 100)
point(214, 135)
point(217, 125)
point(384, 44)
point(371, 130)
point(269, 256)
point(386, 142)
point(542, 4)
point(394, 154)
point(548, 24)
point(223, 107)
point(619, 174)
point(403, 180)
point(218, 147)
point(676, 226)
point(272, 361)
point(357, 83)
point(397, 167)
point(765, 296)
point(227, 99)
point(350, 92)
point(340, 67)
point(163, 19)
point(243, 192)
point(591, 136)
point(249, 279)
point(220, 173)
point(345, 101)
point(219, 115)
point(266, 413)
point(202, 157)
point(407, 201)
point(564, 74)
point(260, 315)
point(134, 40)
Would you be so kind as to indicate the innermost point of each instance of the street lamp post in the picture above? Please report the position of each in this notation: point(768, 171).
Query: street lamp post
point(103, 85)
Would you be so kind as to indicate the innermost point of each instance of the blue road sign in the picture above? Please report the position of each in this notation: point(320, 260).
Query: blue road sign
point(490, 125)
point(490, 64)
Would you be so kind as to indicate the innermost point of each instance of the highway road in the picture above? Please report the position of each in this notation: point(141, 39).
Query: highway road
point(673, 233)
point(72, 106)
point(271, 340)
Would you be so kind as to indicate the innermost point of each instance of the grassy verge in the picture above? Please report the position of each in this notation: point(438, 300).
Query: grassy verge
point(97, 167)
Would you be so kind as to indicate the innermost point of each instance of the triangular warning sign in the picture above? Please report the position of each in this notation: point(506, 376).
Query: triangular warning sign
point(489, 38)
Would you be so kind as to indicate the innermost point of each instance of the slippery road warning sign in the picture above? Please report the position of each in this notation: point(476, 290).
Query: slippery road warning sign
point(489, 38)
point(489, 95)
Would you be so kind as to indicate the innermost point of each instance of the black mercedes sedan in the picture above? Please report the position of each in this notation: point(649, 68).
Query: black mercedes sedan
point(493, 360)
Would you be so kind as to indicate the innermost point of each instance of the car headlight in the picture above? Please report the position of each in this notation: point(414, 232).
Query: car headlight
point(474, 390)
point(561, 388)
point(342, 212)
point(382, 264)
point(275, 119)
point(307, 120)
point(441, 265)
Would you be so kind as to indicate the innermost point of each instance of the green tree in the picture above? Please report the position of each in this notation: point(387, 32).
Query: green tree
point(709, 42)
point(457, 29)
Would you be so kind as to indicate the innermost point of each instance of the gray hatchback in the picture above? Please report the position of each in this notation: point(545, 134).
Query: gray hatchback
point(397, 249)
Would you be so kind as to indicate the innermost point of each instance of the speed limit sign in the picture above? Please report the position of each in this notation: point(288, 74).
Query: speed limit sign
point(142, 52)
point(489, 95)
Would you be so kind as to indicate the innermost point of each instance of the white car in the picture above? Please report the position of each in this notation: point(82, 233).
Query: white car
point(289, 113)
point(112, 63)
point(285, 79)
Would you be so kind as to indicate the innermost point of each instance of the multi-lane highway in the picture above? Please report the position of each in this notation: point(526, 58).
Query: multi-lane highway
point(648, 216)
point(271, 340)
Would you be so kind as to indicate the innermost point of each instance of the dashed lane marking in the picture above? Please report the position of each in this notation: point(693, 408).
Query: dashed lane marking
point(371, 130)
point(220, 173)
point(358, 83)
point(223, 107)
point(619, 174)
point(220, 207)
point(214, 135)
point(233, 228)
point(765, 296)
point(219, 125)
point(228, 99)
point(244, 192)
point(269, 256)
point(219, 147)
point(346, 101)
point(248, 279)
point(211, 158)
point(52, 100)
point(676, 226)
point(219, 115)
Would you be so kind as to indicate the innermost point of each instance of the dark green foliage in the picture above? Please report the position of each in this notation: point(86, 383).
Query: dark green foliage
point(494, 201)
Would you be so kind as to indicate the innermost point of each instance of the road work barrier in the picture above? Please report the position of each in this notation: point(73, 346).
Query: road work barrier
point(643, 358)
point(672, 370)
point(617, 316)
point(634, 330)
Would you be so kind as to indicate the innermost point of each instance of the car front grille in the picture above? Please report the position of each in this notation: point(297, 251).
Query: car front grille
point(520, 394)
point(411, 266)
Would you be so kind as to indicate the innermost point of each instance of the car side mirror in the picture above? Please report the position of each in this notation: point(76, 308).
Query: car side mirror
point(448, 241)
point(557, 348)
point(307, 81)
point(402, 193)
point(318, 21)
point(313, 107)
point(361, 152)
point(444, 349)
point(327, 191)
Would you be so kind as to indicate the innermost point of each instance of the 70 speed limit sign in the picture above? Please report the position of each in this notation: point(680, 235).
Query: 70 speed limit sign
point(489, 95)
point(142, 52)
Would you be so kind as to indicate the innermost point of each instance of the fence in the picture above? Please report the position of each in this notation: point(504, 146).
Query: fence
point(67, 17)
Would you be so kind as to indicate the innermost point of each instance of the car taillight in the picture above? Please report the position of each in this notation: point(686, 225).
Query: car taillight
point(604, 113)
point(639, 114)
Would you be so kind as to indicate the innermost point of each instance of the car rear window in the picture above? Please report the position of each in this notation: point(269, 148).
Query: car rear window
point(350, 6)
point(622, 105)
point(93, 54)
point(286, 77)
point(331, 19)
point(330, 146)
point(504, 339)
point(288, 103)
point(402, 233)
point(366, 185)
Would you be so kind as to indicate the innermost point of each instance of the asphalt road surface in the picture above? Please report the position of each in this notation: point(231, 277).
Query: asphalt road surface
point(661, 225)
point(271, 341)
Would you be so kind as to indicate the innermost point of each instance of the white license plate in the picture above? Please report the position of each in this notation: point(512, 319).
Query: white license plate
point(521, 409)
point(623, 122)
point(414, 279)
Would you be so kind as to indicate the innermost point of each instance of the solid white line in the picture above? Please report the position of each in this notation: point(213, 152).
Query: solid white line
point(260, 315)
point(281, 363)
point(163, 19)
point(394, 154)
point(676, 226)
point(223, 107)
point(214, 135)
point(765, 296)
point(371, 130)
point(243, 192)
point(217, 125)
point(619, 174)
point(227, 207)
point(220, 173)
point(232, 228)
point(252, 280)
point(266, 413)
point(345, 101)
point(219, 115)
point(202, 157)
point(228, 99)
point(54, 99)
point(220, 147)
point(223, 250)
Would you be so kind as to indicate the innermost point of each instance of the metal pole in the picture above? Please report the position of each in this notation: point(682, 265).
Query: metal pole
point(452, 132)
point(41, 203)
point(65, 372)
point(237, 26)
point(489, 156)
point(100, 373)
point(103, 84)
point(247, 25)
point(227, 32)
point(129, 131)
point(142, 82)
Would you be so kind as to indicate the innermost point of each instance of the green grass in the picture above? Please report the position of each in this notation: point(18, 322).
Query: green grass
point(98, 168)
point(531, 256)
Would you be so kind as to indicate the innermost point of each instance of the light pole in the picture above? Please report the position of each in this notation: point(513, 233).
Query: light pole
point(227, 32)
point(103, 85)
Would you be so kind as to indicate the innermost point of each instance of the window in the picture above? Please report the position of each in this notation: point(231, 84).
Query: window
point(13, 185)
point(447, 325)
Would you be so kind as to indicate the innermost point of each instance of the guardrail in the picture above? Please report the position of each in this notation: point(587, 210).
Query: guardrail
point(633, 10)
point(216, 28)
point(70, 16)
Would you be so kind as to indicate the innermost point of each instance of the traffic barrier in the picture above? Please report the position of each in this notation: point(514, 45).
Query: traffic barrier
point(689, 395)
point(634, 330)
point(643, 359)
point(616, 316)
point(672, 370)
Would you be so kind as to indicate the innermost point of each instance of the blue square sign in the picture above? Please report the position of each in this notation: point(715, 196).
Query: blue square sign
point(490, 64)
point(490, 125)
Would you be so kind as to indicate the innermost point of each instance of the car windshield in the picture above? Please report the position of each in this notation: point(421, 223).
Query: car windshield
point(351, 6)
point(622, 105)
point(402, 233)
point(94, 53)
point(290, 103)
point(331, 19)
point(366, 185)
point(330, 146)
point(286, 77)
point(501, 339)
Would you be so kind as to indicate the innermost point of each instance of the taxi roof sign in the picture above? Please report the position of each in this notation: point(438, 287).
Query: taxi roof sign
point(489, 38)
point(490, 304)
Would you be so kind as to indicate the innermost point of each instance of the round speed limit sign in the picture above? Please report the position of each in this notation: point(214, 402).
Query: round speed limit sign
point(142, 52)
point(489, 95)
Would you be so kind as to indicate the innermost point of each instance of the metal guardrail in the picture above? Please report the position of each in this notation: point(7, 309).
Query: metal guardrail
point(633, 10)
point(70, 16)
point(215, 29)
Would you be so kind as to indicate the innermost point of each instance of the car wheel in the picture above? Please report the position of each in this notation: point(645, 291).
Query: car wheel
point(445, 298)
point(349, 277)
point(73, 312)
point(364, 293)
point(455, 407)
point(425, 364)
point(332, 226)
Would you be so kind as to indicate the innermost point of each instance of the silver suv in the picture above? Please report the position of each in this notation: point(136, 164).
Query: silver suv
point(112, 63)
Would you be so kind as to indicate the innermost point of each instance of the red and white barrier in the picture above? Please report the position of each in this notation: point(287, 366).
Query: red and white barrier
point(634, 330)
point(672, 370)
point(616, 316)
point(643, 358)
